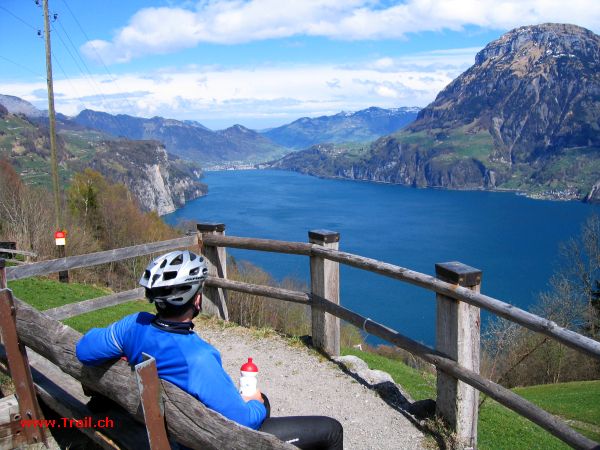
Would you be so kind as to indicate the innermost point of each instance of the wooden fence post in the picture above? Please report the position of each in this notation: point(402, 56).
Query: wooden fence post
point(213, 299)
point(2, 273)
point(325, 283)
point(458, 335)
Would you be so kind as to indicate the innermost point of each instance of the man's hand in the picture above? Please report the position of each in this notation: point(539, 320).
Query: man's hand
point(256, 396)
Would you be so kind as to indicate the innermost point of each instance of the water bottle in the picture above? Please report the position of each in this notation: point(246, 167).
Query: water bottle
point(248, 378)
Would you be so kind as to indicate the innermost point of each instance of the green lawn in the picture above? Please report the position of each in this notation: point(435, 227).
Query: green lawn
point(43, 293)
point(419, 385)
point(106, 316)
point(499, 427)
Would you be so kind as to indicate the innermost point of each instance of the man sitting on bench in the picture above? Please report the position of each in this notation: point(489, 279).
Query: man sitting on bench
point(174, 283)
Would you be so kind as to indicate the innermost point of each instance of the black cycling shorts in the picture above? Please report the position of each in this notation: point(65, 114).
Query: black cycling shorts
point(305, 432)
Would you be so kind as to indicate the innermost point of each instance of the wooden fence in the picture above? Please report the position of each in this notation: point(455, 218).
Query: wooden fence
point(9, 250)
point(456, 356)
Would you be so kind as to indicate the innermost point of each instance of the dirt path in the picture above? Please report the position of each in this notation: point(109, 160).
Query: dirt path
point(298, 381)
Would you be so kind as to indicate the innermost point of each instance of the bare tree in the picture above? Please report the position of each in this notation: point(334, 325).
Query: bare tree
point(515, 356)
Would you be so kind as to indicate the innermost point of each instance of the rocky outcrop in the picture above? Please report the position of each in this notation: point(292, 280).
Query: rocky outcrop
point(594, 195)
point(159, 183)
point(535, 91)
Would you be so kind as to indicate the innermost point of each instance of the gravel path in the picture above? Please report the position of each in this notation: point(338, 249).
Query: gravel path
point(299, 381)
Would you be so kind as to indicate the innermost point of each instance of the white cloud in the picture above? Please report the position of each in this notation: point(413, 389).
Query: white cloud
point(168, 29)
point(270, 94)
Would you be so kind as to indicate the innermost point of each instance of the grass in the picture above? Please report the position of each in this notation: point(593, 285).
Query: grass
point(104, 317)
point(44, 293)
point(419, 385)
point(577, 402)
point(499, 427)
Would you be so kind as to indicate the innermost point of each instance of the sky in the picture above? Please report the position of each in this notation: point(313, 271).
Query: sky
point(258, 63)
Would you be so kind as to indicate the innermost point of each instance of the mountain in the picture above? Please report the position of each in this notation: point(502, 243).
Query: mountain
point(187, 139)
point(525, 116)
point(361, 126)
point(159, 181)
point(16, 105)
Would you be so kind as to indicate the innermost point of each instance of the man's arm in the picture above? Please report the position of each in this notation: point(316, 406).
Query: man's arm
point(209, 382)
point(103, 344)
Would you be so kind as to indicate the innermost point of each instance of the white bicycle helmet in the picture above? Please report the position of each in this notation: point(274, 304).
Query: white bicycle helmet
point(174, 278)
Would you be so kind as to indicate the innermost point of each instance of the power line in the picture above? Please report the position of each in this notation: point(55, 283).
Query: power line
point(88, 39)
point(20, 65)
point(110, 75)
point(19, 19)
point(64, 73)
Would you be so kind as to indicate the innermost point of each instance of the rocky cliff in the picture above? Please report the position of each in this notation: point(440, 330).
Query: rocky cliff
point(525, 116)
point(159, 181)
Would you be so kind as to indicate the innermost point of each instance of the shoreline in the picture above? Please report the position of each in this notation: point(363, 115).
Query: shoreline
point(531, 195)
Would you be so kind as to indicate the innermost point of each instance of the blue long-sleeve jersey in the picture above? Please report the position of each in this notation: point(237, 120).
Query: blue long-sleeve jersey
point(182, 359)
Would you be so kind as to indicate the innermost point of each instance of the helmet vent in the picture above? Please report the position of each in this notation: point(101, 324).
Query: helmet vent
point(147, 274)
point(195, 271)
point(169, 275)
point(163, 264)
point(192, 256)
point(177, 260)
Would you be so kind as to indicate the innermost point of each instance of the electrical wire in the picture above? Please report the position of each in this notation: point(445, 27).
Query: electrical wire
point(18, 18)
point(20, 65)
point(112, 78)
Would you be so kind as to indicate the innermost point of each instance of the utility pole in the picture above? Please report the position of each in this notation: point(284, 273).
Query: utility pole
point(63, 275)
point(52, 120)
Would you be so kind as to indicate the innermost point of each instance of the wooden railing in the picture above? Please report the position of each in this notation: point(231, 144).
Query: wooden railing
point(14, 252)
point(456, 285)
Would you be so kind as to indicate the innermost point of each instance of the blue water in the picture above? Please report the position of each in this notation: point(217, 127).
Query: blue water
point(512, 239)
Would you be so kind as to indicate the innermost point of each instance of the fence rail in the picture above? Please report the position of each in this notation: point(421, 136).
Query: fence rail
point(499, 393)
point(18, 252)
point(94, 259)
point(503, 309)
point(456, 284)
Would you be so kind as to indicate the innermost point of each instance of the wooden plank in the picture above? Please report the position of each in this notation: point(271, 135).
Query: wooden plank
point(188, 420)
point(458, 336)
point(265, 245)
point(18, 252)
point(256, 289)
point(19, 368)
point(151, 396)
point(94, 259)
point(325, 283)
point(64, 395)
point(75, 309)
point(506, 310)
point(214, 300)
point(502, 395)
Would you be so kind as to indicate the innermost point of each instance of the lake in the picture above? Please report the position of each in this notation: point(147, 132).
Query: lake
point(514, 240)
